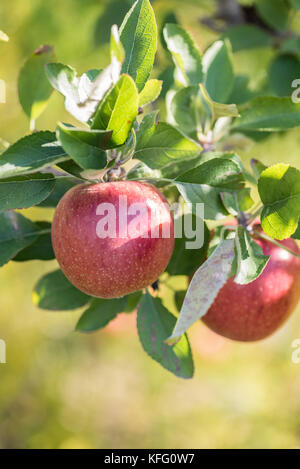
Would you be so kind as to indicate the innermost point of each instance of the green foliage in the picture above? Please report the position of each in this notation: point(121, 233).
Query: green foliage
point(150, 92)
point(100, 313)
point(16, 233)
point(138, 34)
point(54, 292)
point(31, 153)
point(250, 258)
point(218, 71)
point(155, 324)
point(247, 36)
point(279, 189)
point(25, 191)
point(41, 249)
point(268, 114)
point(186, 55)
point(34, 88)
point(185, 261)
point(274, 12)
point(118, 110)
point(283, 71)
point(191, 154)
point(83, 147)
point(160, 144)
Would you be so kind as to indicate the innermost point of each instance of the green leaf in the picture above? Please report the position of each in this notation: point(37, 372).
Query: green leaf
point(41, 249)
point(258, 167)
point(279, 190)
point(250, 258)
point(132, 301)
point(82, 146)
point(150, 92)
point(188, 112)
point(236, 202)
point(73, 169)
point(216, 110)
point(185, 53)
point(204, 287)
point(291, 46)
point(295, 4)
point(268, 114)
point(247, 36)
point(62, 185)
point(118, 110)
point(218, 71)
point(296, 235)
point(222, 172)
point(155, 324)
point(100, 313)
point(25, 191)
point(274, 12)
point(54, 292)
point(34, 88)
point(138, 34)
point(203, 194)
point(16, 232)
point(160, 144)
point(117, 51)
point(283, 71)
point(31, 153)
point(186, 261)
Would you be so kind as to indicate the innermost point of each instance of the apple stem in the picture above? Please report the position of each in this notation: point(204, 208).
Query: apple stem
point(277, 243)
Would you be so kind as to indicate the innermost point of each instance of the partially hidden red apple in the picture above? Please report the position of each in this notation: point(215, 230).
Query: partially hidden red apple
point(254, 311)
point(114, 238)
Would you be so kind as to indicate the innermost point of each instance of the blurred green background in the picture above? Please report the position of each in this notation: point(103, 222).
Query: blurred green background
point(60, 389)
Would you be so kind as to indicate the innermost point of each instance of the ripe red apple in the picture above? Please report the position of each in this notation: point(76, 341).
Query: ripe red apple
point(254, 311)
point(103, 240)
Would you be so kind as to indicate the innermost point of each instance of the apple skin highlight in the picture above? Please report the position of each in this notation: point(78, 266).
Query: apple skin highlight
point(255, 311)
point(111, 267)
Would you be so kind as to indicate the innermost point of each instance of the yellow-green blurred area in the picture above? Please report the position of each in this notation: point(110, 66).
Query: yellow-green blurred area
point(61, 389)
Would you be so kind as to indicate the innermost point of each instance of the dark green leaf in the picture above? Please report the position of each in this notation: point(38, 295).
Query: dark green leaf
point(54, 292)
point(16, 232)
point(62, 185)
point(100, 313)
point(30, 154)
point(268, 114)
point(250, 258)
point(34, 88)
point(155, 324)
point(283, 71)
point(41, 249)
point(257, 166)
point(222, 172)
point(295, 4)
point(247, 36)
point(25, 191)
point(138, 34)
point(185, 54)
point(161, 144)
point(279, 190)
point(118, 110)
point(274, 12)
point(236, 202)
point(218, 71)
point(185, 261)
point(203, 194)
point(83, 153)
point(296, 235)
